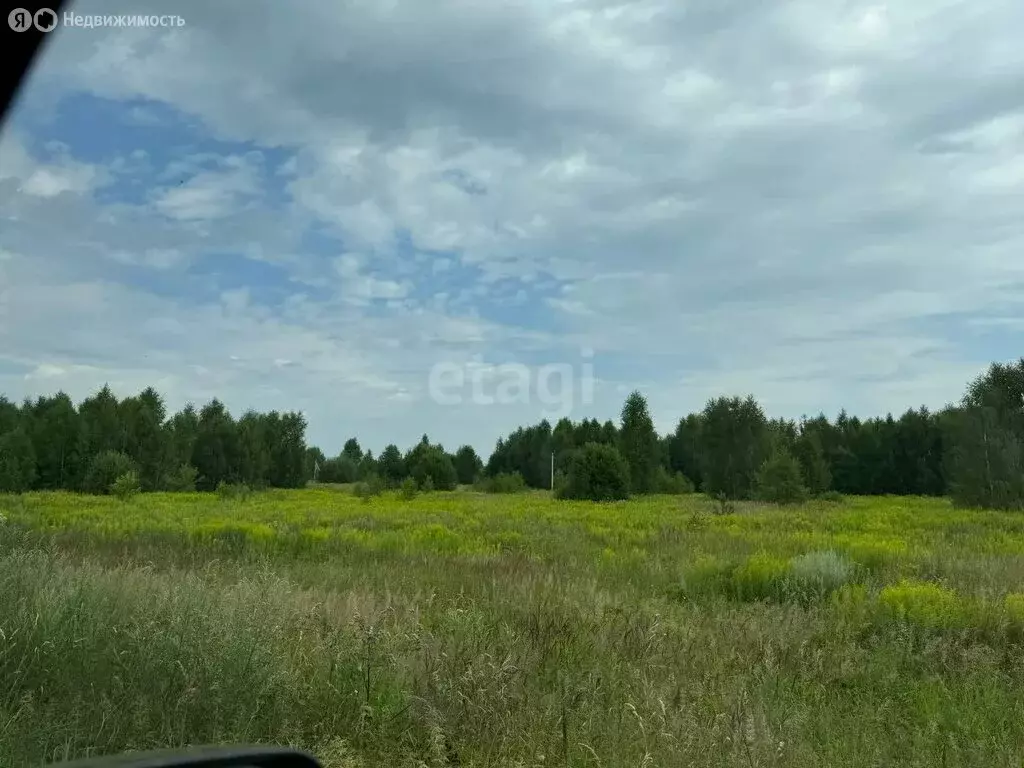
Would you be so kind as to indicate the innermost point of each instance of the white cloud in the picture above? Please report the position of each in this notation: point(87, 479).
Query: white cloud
point(62, 175)
point(154, 258)
point(790, 198)
point(211, 194)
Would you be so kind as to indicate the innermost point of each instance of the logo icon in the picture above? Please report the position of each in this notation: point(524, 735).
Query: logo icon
point(45, 20)
point(19, 19)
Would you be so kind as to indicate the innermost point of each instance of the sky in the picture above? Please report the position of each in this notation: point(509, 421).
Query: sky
point(340, 206)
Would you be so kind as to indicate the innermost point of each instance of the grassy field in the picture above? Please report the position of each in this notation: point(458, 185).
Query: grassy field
point(465, 629)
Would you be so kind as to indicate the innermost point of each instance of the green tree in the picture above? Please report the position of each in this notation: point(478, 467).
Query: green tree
point(638, 443)
point(815, 470)
point(368, 467)
point(675, 483)
point(986, 461)
point(986, 457)
point(143, 437)
point(314, 458)
point(254, 459)
point(126, 486)
point(340, 469)
point(352, 451)
point(17, 461)
point(181, 480)
point(287, 437)
point(100, 427)
point(391, 465)
point(467, 465)
point(597, 472)
point(54, 432)
point(434, 464)
point(10, 416)
point(684, 447)
point(180, 437)
point(734, 443)
point(215, 453)
point(779, 479)
point(782, 434)
point(105, 468)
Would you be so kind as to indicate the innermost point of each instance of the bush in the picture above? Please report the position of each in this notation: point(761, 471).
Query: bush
point(598, 472)
point(105, 468)
point(427, 486)
point(761, 577)
point(561, 480)
point(408, 489)
point(816, 574)
point(127, 486)
point(722, 505)
point(832, 497)
point(504, 482)
point(338, 471)
point(182, 480)
point(922, 603)
point(233, 491)
point(369, 487)
point(672, 483)
point(432, 462)
point(780, 480)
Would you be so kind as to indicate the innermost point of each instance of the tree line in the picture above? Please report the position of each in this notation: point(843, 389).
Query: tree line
point(973, 451)
point(50, 444)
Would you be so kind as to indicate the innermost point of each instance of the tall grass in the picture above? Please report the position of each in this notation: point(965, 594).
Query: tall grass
point(470, 629)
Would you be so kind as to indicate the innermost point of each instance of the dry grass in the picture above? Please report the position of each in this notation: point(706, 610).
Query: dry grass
point(468, 629)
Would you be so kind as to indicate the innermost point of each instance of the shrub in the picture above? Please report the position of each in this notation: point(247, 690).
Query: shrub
point(427, 486)
point(922, 603)
point(832, 497)
point(598, 472)
point(561, 480)
point(338, 471)
point(182, 480)
point(673, 483)
point(760, 577)
point(233, 491)
point(816, 574)
point(504, 482)
point(431, 461)
point(408, 489)
point(780, 480)
point(105, 468)
point(127, 486)
point(369, 487)
point(722, 505)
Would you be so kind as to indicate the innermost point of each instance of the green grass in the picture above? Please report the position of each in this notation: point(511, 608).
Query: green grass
point(477, 629)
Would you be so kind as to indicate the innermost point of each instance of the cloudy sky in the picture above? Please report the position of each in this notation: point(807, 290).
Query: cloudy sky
point(312, 205)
